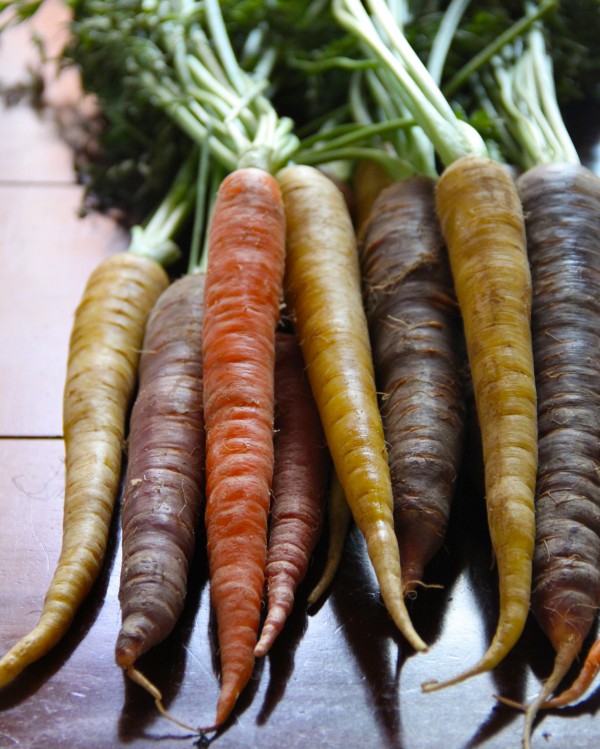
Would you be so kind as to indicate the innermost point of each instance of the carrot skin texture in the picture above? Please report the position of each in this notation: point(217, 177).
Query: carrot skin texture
point(562, 208)
point(299, 487)
point(416, 334)
point(323, 291)
point(482, 222)
point(164, 481)
point(104, 351)
point(243, 291)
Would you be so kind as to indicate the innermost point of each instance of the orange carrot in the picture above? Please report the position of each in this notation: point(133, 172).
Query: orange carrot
point(323, 291)
point(242, 296)
point(299, 487)
point(589, 671)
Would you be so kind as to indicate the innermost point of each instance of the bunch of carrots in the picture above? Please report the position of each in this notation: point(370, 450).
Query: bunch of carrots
point(312, 361)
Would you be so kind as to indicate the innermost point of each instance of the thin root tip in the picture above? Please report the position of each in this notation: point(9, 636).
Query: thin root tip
point(431, 686)
point(485, 665)
point(263, 646)
point(435, 686)
point(273, 625)
point(510, 703)
point(417, 643)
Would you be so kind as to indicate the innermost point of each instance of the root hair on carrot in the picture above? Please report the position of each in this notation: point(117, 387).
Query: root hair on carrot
point(138, 677)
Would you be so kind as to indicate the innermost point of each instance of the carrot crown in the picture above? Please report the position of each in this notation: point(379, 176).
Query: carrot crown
point(382, 37)
point(178, 56)
point(521, 93)
point(154, 238)
point(415, 86)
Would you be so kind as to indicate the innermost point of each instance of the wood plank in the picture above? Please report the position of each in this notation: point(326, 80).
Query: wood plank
point(48, 252)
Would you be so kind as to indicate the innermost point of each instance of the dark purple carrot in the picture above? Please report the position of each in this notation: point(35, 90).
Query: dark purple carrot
point(164, 482)
point(416, 336)
point(562, 209)
point(299, 489)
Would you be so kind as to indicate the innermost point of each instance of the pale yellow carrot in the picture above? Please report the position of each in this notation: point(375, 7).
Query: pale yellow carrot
point(103, 356)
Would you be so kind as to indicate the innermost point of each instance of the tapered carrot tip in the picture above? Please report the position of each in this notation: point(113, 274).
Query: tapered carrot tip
point(562, 663)
point(126, 654)
point(225, 704)
point(139, 678)
point(582, 683)
point(276, 618)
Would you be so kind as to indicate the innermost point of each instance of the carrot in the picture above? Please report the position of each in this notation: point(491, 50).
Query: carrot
point(339, 519)
point(242, 295)
point(562, 206)
point(483, 226)
point(482, 221)
point(368, 179)
point(164, 481)
point(589, 671)
point(103, 356)
point(416, 336)
point(560, 201)
point(323, 292)
point(104, 351)
point(299, 487)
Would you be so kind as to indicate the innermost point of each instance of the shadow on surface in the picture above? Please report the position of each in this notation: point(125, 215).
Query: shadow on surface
point(370, 634)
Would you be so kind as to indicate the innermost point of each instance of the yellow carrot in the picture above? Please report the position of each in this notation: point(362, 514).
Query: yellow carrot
point(482, 222)
point(323, 290)
point(368, 180)
point(103, 356)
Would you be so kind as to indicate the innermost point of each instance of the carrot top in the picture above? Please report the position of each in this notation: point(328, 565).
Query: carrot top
point(414, 86)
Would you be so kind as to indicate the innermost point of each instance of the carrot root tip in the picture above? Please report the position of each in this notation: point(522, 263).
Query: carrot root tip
point(510, 703)
point(139, 678)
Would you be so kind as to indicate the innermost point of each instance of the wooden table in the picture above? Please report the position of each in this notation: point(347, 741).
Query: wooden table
point(337, 678)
